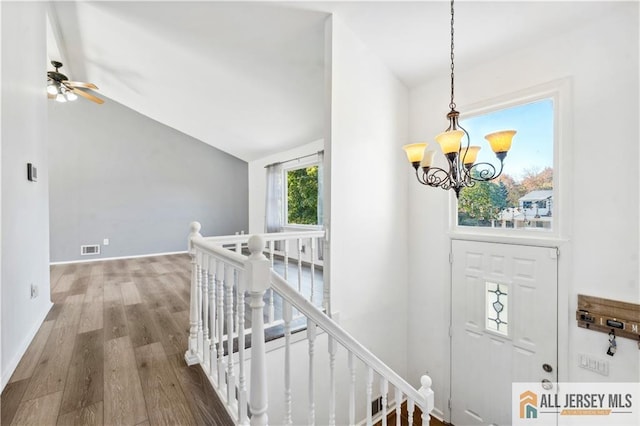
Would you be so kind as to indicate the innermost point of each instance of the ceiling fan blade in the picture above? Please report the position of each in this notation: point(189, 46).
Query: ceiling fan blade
point(80, 84)
point(87, 96)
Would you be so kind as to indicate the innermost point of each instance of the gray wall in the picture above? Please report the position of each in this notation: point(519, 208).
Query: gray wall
point(117, 174)
point(25, 217)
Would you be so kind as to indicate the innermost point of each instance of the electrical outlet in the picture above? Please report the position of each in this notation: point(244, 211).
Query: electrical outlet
point(34, 291)
point(105, 242)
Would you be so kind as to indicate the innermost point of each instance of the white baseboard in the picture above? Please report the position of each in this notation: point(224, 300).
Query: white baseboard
point(438, 414)
point(66, 262)
point(11, 366)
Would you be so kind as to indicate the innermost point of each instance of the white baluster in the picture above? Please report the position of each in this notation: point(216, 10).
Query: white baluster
point(242, 391)
point(199, 302)
point(332, 381)
point(410, 407)
point(369, 395)
point(286, 316)
point(272, 309)
point(257, 267)
point(299, 241)
point(220, 289)
point(286, 260)
point(191, 355)
point(326, 284)
point(384, 390)
point(398, 407)
point(239, 244)
point(352, 390)
point(228, 288)
point(312, 268)
point(205, 310)
point(212, 315)
point(428, 399)
point(311, 336)
point(272, 245)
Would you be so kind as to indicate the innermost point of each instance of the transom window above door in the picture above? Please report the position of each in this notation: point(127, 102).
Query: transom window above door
point(523, 197)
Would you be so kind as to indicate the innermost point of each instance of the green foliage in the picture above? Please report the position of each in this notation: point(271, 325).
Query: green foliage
point(302, 196)
point(481, 203)
point(484, 201)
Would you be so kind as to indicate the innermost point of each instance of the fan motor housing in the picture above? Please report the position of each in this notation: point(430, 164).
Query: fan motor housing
point(56, 76)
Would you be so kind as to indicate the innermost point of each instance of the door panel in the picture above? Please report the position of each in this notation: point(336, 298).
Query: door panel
point(503, 324)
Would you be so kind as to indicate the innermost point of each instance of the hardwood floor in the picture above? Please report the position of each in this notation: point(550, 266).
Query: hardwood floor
point(110, 351)
point(417, 418)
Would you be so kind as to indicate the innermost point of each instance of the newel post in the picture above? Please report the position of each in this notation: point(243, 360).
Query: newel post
point(257, 268)
point(428, 397)
point(191, 356)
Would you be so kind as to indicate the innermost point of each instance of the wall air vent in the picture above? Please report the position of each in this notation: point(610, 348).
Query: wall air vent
point(89, 250)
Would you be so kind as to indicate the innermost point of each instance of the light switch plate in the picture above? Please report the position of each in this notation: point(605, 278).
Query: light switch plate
point(593, 363)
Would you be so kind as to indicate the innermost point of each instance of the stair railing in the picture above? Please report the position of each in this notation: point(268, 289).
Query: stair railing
point(217, 338)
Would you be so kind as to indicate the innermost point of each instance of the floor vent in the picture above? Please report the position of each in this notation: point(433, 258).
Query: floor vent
point(88, 250)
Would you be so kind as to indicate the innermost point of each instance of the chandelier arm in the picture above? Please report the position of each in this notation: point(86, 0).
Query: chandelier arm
point(435, 177)
point(485, 174)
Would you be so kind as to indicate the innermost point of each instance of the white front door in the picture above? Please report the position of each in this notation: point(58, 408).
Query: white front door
point(503, 326)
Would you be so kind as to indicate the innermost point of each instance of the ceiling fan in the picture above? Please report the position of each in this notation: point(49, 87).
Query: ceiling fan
point(62, 90)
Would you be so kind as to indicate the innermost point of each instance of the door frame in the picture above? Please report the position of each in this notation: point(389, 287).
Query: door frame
point(564, 263)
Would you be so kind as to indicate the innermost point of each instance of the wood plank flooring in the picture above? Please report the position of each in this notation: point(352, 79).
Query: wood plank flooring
point(110, 351)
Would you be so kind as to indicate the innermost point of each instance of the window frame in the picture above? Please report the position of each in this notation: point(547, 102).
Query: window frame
point(559, 92)
point(299, 164)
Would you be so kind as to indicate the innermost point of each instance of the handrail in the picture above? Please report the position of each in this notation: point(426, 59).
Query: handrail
point(342, 336)
point(212, 249)
point(272, 236)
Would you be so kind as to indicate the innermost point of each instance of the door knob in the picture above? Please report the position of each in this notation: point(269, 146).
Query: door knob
point(546, 384)
point(547, 368)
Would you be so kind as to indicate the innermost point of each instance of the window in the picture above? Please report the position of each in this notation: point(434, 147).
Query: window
point(497, 308)
point(522, 197)
point(302, 195)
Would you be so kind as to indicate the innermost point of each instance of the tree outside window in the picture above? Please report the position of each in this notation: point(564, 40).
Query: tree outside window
point(302, 196)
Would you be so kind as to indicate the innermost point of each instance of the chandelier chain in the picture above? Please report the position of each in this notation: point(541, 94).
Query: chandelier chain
point(463, 171)
point(452, 104)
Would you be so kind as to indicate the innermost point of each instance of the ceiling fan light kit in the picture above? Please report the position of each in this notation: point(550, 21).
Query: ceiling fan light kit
point(463, 171)
point(62, 90)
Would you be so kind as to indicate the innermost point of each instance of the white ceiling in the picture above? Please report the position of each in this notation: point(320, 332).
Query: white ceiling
point(248, 78)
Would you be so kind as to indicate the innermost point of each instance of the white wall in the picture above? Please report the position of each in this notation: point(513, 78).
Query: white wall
point(25, 214)
point(258, 181)
point(601, 256)
point(368, 198)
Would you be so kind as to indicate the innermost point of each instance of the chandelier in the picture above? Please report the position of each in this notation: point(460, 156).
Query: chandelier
point(463, 171)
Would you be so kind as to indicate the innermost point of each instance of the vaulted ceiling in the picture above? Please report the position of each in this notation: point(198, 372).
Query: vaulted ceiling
point(248, 78)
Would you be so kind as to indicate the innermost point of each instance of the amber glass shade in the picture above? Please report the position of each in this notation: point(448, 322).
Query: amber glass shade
point(427, 159)
point(450, 141)
point(469, 155)
point(415, 151)
point(500, 141)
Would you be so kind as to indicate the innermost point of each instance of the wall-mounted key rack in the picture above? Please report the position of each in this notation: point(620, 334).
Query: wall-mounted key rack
point(598, 314)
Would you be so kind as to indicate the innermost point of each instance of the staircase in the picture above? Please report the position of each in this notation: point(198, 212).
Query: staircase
point(235, 298)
